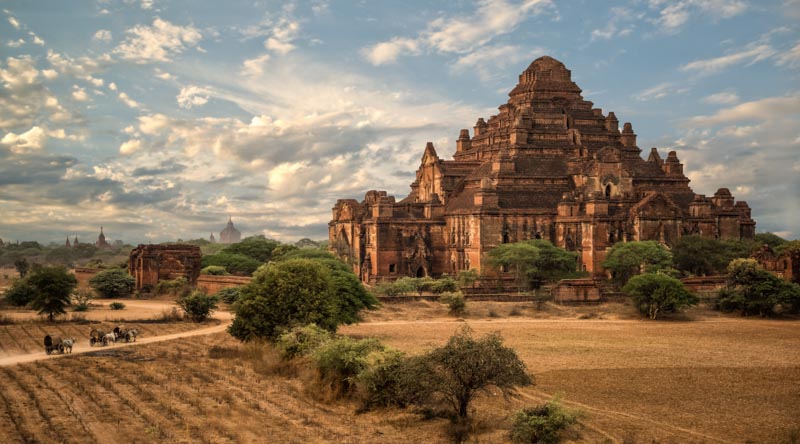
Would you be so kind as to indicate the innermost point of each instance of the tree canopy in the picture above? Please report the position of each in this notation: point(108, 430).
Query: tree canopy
point(282, 295)
point(53, 290)
point(113, 283)
point(627, 259)
point(655, 294)
point(751, 290)
point(701, 256)
point(534, 262)
point(237, 264)
point(258, 248)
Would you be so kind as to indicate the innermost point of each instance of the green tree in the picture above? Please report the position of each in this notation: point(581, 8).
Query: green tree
point(283, 295)
point(542, 424)
point(198, 305)
point(22, 266)
point(237, 264)
point(701, 256)
point(214, 270)
point(20, 294)
point(351, 294)
point(654, 294)
point(257, 248)
point(627, 259)
point(520, 257)
point(53, 287)
point(466, 366)
point(771, 239)
point(751, 290)
point(534, 262)
point(788, 247)
point(229, 295)
point(467, 278)
point(113, 283)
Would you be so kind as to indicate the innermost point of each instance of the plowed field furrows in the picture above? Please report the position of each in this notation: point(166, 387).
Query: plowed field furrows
point(28, 337)
point(710, 380)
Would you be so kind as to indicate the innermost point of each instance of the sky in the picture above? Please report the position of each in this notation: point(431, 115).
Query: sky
point(159, 119)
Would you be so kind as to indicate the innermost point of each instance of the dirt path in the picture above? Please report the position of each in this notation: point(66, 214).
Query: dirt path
point(83, 346)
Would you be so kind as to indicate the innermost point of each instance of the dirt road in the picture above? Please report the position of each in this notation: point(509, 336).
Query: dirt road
point(82, 346)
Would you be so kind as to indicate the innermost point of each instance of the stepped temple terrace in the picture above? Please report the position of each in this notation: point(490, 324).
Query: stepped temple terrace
point(549, 166)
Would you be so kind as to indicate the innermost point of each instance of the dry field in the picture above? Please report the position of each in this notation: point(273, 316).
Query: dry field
point(712, 379)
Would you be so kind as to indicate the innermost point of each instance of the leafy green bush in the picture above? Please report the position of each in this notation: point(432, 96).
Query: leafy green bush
point(236, 264)
point(282, 295)
point(751, 290)
point(627, 259)
point(302, 341)
point(340, 360)
point(116, 306)
point(391, 380)
point(81, 300)
point(214, 270)
point(198, 305)
point(229, 295)
point(20, 294)
point(112, 283)
point(443, 285)
point(542, 424)
point(454, 301)
point(172, 286)
point(655, 293)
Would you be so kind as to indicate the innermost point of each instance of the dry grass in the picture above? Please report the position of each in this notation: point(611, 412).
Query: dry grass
point(715, 379)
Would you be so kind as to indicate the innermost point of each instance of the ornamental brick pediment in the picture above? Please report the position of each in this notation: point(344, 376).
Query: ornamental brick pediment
point(656, 206)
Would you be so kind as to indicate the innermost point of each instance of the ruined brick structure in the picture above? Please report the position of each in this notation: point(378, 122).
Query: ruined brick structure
point(549, 165)
point(152, 263)
point(785, 265)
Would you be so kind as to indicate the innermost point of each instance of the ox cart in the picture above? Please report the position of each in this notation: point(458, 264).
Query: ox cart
point(96, 337)
point(126, 334)
point(53, 344)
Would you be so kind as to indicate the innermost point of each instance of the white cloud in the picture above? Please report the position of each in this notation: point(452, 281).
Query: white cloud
point(130, 147)
point(790, 58)
point(14, 22)
point(463, 34)
point(676, 13)
point(387, 52)
point(128, 101)
point(103, 35)
point(31, 140)
point(492, 61)
point(49, 74)
point(612, 29)
point(192, 96)
point(80, 67)
point(147, 4)
point(660, 91)
point(157, 43)
point(112, 86)
point(722, 98)
point(79, 94)
point(758, 110)
point(749, 55)
point(283, 33)
point(163, 75)
point(255, 66)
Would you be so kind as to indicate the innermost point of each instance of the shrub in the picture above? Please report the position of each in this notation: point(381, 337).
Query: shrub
point(215, 270)
point(392, 380)
point(53, 287)
point(20, 294)
point(464, 367)
point(339, 361)
point(112, 283)
point(654, 294)
point(198, 305)
point(627, 259)
point(172, 286)
point(116, 306)
point(443, 285)
point(752, 290)
point(229, 295)
point(542, 424)
point(237, 264)
point(81, 300)
point(282, 295)
point(302, 341)
point(454, 301)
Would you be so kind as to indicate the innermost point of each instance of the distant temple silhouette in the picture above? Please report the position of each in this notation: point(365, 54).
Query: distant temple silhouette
point(230, 235)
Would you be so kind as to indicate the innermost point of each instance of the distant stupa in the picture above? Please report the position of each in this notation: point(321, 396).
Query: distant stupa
point(230, 235)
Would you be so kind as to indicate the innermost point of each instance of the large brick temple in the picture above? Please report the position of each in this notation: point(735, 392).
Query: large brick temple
point(548, 166)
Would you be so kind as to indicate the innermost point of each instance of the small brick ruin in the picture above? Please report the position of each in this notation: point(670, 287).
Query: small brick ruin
point(549, 166)
point(150, 264)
